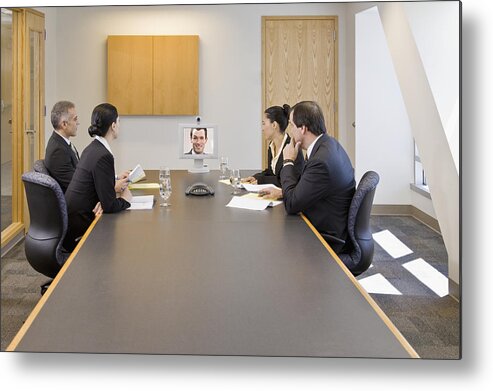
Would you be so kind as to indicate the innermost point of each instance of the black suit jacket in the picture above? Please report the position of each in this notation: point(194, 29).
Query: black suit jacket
point(60, 160)
point(324, 190)
point(93, 182)
point(268, 176)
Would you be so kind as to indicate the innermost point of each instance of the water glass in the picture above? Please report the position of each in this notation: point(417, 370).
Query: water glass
point(165, 191)
point(164, 172)
point(223, 166)
point(235, 180)
point(164, 185)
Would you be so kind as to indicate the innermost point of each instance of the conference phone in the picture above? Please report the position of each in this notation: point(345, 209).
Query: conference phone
point(199, 189)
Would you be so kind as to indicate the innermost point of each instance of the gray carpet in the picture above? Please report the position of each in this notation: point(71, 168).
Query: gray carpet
point(431, 324)
point(20, 292)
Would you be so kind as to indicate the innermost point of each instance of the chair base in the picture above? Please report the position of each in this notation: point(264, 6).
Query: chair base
point(45, 286)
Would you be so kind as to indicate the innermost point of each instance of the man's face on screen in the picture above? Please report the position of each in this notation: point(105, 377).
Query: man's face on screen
point(198, 140)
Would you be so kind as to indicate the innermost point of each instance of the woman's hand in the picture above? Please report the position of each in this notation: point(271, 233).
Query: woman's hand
point(126, 194)
point(121, 184)
point(124, 175)
point(249, 179)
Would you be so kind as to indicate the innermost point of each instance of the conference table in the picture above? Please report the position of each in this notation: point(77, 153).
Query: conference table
point(201, 278)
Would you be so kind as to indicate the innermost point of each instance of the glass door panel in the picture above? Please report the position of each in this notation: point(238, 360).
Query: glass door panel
point(6, 118)
point(32, 93)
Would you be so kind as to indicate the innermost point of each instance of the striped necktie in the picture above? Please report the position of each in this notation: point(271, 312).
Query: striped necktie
point(74, 150)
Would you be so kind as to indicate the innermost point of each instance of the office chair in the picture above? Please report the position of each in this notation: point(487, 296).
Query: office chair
point(48, 226)
point(358, 252)
point(39, 166)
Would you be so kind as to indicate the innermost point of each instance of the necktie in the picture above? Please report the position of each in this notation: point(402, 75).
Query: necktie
point(74, 150)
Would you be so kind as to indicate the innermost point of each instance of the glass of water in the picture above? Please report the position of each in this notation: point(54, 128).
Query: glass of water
point(223, 166)
point(235, 180)
point(164, 172)
point(164, 185)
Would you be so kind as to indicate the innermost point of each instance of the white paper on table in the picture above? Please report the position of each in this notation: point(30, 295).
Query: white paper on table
point(257, 188)
point(141, 202)
point(250, 203)
point(256, 197)
point(227, 182)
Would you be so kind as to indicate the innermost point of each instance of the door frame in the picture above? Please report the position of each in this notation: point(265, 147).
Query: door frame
point(20, 68)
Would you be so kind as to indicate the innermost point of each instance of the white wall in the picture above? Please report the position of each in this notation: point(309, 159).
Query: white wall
point(383, 141)
point(229, 79)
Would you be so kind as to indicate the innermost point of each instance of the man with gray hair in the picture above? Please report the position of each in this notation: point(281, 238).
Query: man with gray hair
point(61, 156)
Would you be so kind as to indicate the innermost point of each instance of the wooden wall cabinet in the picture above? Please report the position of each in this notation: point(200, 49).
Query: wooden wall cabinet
point(154, 75)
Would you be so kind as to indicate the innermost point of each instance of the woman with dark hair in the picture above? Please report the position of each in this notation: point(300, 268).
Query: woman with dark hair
point(274, 124)
point(94, 178)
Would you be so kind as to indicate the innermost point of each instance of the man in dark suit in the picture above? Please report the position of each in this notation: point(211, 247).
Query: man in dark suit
point(325, 187)
point(61, 156)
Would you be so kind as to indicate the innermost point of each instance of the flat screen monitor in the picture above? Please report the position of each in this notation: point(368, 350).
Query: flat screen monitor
point(198, 142)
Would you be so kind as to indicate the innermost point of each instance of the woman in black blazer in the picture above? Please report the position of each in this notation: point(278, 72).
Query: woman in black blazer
point(94, 178)
point(274, 124)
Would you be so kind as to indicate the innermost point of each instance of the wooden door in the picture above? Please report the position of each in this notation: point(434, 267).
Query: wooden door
point(25, 93)
point(299, 62)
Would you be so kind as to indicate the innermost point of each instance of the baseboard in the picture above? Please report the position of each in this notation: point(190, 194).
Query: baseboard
point(16, 239)
point(453, 289)
point(406, 210)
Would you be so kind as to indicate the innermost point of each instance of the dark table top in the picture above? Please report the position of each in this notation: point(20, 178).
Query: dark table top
point(202, 278)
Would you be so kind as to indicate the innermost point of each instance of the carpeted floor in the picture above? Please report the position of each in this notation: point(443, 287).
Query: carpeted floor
point(431, 324)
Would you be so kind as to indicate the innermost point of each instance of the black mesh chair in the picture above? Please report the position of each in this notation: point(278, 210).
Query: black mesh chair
point(358, 252)
point(39, 166)
point(48, 224)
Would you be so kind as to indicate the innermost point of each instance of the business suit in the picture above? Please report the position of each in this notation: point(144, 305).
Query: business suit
point(93, 182)
point(268, 176)
point(324, 190)
point(60, 160)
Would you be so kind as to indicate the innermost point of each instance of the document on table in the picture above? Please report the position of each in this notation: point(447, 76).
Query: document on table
point(141, 202)
point(257, 188)
point(251, 203)
point(227, 182)
point(143, 186)
point(255, 196)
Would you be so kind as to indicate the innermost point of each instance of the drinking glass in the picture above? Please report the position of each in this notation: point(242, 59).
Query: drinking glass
point(164, 185)
point(165, 191)
point(164, 172)
point(235, 180)
point(223, 166)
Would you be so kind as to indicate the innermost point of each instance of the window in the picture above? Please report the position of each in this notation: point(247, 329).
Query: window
point(420, 185)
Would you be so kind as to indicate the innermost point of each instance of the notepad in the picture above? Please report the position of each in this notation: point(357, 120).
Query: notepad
point(142, 202)
point(143, 186)
point(227, 182)
point(137, 174)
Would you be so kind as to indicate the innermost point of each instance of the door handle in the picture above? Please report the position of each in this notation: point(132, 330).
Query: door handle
point(30, 131)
